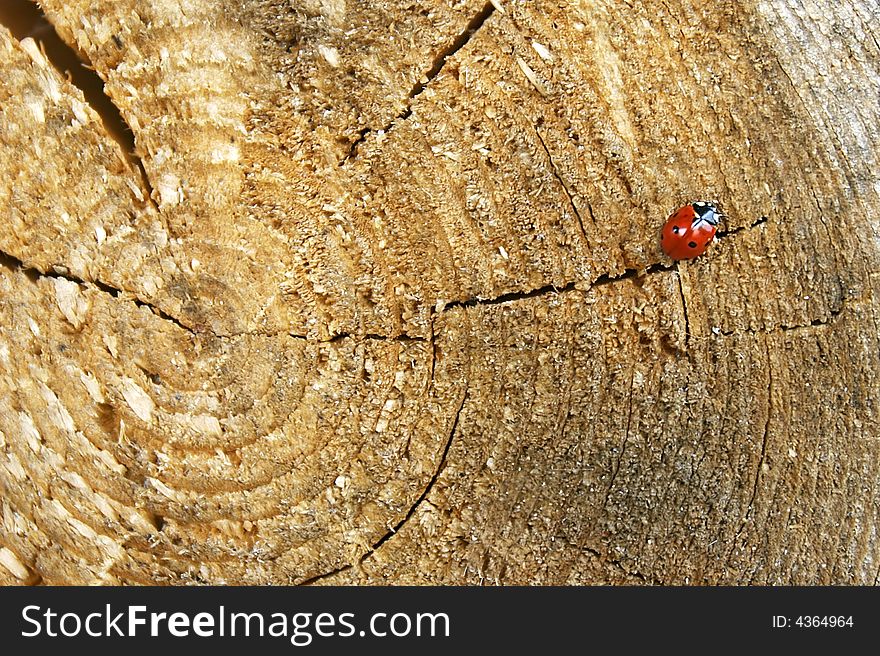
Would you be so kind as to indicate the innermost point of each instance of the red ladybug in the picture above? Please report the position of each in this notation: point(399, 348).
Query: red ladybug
point(689, 230)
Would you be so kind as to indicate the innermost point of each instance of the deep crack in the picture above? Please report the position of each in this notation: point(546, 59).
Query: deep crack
point(392, 532)
point(402, 337)
point(25, 19)
point(430, 485)
point(722, 234)
point(509, 296)
point(34, 274)
point(314, 579)
point(439, 62)
point(604, 279)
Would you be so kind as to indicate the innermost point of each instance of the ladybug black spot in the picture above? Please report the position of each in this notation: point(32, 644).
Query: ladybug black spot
point(692, 244)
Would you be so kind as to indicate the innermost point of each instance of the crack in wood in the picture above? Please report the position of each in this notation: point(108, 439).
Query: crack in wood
point(558, 176)
point(625, 440)
point(684, 309)
point(440, 467)
point(722, 234)
point(592, 552)
point(833, 315)
point(439, 62)
point(433, 354)
point(604, 279)
point(397, 527)
point(763, 457)
point(325, 575)
point(33, 274)
point(338, 337)
point(25, 19)
point(510, 296)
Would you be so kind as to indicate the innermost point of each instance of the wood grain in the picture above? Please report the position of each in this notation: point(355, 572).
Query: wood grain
point(378, 296)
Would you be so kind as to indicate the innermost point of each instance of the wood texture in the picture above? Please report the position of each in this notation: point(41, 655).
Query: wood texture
point(378, 297)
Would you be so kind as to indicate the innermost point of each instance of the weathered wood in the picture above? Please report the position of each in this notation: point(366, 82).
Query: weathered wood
point(385, 303)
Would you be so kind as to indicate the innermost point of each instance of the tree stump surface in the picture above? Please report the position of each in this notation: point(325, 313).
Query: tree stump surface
point(378, 296)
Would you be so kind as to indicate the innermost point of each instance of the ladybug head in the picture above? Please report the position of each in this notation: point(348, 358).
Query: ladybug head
point(707, 211)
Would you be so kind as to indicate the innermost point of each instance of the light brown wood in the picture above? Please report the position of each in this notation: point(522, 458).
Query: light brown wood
point(378, 297)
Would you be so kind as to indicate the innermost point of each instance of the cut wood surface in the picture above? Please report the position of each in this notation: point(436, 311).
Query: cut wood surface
point(378, 295)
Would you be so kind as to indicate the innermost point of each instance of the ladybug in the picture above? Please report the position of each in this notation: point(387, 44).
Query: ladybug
point(689, 230)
